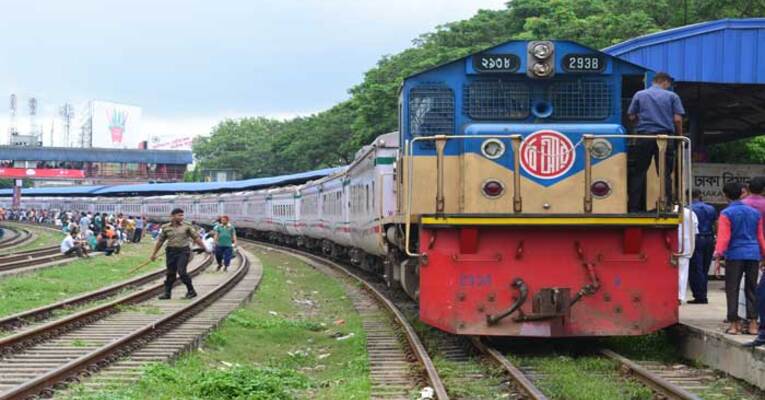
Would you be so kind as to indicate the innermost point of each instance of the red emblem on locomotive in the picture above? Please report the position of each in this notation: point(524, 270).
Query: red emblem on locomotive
point(547, 154)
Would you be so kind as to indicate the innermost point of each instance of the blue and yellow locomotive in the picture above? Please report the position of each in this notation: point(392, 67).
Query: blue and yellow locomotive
point(513, 196)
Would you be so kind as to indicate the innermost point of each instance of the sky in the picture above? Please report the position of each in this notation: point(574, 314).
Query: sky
point(190, 64)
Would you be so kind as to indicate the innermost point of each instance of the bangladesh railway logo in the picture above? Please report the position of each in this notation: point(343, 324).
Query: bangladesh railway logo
point(547, 154)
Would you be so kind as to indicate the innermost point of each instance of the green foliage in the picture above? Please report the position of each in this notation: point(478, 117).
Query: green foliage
point(262, 147)
point(744, 151)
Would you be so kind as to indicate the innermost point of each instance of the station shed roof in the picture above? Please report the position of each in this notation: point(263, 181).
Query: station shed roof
point(56, 191)
point(151, 189)
point(719, 71)
point(72, 154)
point(722, 51)
point(148, 189)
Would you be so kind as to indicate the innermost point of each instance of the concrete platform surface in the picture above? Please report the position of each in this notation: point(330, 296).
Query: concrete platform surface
point(703, 339)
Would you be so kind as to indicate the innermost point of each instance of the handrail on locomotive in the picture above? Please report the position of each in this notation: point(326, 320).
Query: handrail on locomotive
point(682, 176)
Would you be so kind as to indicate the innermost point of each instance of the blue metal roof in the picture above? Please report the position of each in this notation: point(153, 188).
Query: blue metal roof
point(56, 191)
point(200, 187)
point(722, 51)
point(146, 189)
point(136, 156)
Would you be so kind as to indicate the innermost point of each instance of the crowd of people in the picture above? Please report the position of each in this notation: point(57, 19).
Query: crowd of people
point(738, 245)
point(105, 232)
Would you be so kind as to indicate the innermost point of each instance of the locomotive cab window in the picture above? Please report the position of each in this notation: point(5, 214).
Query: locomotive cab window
point(431, 110)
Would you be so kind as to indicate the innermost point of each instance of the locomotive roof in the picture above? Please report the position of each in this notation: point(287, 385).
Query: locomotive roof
point(503, 44)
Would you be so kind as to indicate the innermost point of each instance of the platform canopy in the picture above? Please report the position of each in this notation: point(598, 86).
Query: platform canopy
point(151, 189)
point(71, 154)
point(719, 71)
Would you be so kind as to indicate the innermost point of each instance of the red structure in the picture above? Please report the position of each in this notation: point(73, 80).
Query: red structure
point(93, 165)
point(566, 281)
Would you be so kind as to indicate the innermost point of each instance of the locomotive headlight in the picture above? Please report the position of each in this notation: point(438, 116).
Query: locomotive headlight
point(541, 69)
point(541, 50)
point(492, 149)
point(601, 149)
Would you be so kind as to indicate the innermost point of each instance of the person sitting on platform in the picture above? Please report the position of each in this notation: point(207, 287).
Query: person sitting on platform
point(740, 239)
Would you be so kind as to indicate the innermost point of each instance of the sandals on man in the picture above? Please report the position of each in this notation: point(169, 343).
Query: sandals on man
point(733, 329)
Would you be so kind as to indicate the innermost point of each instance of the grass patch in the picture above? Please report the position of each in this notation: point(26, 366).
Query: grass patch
point(22, 292)
point(583, 378)
point(43, 238)
point(657, 346)
point(79, 343)
point(283, 345)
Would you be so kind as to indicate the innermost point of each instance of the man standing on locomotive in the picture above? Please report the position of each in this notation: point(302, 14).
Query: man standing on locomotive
point(656, 111)
point(705, 244)
point(178, 235)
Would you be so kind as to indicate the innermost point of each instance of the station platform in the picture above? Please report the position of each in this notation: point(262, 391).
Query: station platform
point(701, 337)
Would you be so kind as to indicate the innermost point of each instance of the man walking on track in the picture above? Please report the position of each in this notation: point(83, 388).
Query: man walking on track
point(225, 240)
point(178, 235)
point(656, 111)
point(705, 245)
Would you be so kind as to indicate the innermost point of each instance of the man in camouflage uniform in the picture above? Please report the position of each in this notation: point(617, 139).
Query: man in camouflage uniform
point(178, 235)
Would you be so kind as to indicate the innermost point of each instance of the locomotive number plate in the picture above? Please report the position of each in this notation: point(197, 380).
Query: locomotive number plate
point(496, 62)
point(584, 63)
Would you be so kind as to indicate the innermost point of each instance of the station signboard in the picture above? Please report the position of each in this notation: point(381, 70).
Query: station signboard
point(42, 173)
point(710, 178)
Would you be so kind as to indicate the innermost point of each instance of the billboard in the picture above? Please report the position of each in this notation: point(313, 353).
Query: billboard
point(42, 173)
point(170, 143)
point(115, 126)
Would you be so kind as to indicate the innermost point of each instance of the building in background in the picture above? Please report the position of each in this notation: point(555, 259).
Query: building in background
point(221, 175)
point(111, 125)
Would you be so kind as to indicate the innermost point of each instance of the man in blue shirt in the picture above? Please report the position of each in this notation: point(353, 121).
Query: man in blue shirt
point(705, 246)
point(655, 111)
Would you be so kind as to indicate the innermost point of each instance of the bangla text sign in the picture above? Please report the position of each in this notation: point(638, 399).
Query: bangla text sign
point(42, 173)
point(710, 178)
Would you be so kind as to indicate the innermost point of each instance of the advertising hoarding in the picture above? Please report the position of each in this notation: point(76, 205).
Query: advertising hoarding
point(115, 125)
point(171, 143)
point(42, 173)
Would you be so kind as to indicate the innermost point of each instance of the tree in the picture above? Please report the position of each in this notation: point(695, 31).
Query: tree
point(262, 147)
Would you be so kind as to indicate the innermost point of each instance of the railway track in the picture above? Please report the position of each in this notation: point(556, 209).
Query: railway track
point(30, 258)
point(388, 365)
point(18, 320)
point(112, 340)
point(18, 237)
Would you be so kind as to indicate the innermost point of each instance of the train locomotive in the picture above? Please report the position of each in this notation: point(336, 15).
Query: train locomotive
point(500, 204)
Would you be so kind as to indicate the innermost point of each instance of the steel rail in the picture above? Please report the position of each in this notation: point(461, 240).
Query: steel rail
point(33, 259)
point(655, 382)
point(412, 338)
point(16, 342)
point(22, 236)
point(111, 351)
point(516, 375)
point(21, 255)
point(39, 313)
